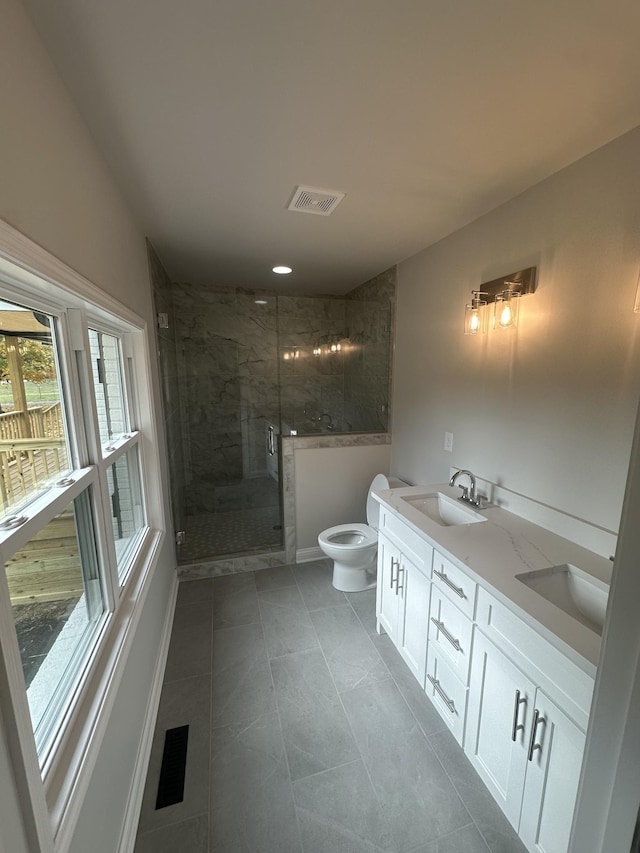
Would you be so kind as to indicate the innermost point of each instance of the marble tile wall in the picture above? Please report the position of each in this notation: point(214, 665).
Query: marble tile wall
point(243, 364)
point(369, 311)
point(311, 387)
point(228, 363)
point(170, 379)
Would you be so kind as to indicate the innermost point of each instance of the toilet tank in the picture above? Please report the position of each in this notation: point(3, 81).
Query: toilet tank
point(379, 482)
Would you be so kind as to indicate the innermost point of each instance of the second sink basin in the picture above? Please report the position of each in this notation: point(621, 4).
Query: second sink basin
point(443, 510)
point(577, 593)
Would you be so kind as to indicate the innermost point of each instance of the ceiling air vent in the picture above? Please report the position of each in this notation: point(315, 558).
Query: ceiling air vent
point(314, 200)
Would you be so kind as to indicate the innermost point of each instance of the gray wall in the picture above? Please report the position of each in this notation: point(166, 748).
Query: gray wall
point(548, 409)
point(57, 190)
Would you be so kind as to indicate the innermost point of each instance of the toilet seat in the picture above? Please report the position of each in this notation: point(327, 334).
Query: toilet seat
point(349, 536)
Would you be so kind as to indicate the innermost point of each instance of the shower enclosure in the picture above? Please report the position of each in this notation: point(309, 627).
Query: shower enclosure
point(240, 369)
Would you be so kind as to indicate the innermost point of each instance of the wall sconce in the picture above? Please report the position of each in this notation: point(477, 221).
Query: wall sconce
point(505, 294)
point(335, 347)
point(317, 351)
point(475, 314)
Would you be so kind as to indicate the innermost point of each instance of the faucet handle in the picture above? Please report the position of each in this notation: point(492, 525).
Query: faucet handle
point(465, 493)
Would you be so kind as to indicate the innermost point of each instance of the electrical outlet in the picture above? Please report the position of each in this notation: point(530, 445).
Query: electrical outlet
point(448, 442)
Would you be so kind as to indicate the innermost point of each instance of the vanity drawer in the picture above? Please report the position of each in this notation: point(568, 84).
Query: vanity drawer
point(455, 584)
point(450, 633)
point(447, 693)
point(414, 547)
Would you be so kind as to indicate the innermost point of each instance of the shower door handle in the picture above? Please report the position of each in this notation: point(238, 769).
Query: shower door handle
point(270, 442)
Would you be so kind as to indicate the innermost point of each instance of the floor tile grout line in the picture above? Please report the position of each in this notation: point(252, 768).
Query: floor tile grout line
point(284, 747)
point(420, 847)
point(326, 770)
point(165, 826)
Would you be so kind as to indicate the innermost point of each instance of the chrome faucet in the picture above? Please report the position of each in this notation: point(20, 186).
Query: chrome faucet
point(468, 495)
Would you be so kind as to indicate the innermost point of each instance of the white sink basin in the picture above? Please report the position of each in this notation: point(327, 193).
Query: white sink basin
point(580, 595)
point(443, 509)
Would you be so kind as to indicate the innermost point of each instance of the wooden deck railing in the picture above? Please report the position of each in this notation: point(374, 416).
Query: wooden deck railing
point(37, 421)
point(48, 568)
point(25, 462)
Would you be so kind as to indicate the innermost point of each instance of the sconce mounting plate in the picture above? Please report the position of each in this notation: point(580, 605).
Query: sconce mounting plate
point(524, 279)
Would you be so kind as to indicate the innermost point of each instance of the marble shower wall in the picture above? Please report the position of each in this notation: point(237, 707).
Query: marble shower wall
point(169, 377)
point(311, 386)
point(243, 366)
point(369, 313)
point(228, 362)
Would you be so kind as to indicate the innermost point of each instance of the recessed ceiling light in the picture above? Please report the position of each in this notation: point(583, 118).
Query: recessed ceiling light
point(281, 270)
point(260, 301)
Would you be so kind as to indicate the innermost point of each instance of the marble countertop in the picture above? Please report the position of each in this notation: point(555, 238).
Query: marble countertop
point(502, 547)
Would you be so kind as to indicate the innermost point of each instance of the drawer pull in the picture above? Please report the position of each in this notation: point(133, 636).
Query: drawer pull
point(515, 728)
point(440, 626)
point(534, 728)
point(436, 686)
point(449, 583)
point(395, 564)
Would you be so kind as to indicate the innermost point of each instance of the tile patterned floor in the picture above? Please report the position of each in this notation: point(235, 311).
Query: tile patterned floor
point(215, 534)
point(308, 734)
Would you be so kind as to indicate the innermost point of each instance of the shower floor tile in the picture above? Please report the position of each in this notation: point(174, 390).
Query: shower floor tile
point(213, 534)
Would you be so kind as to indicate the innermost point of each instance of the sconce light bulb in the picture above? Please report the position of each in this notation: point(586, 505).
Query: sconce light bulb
point(505, 316)
point(474, 323)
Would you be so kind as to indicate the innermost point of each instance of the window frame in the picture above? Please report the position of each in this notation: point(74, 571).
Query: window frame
point(52, 794)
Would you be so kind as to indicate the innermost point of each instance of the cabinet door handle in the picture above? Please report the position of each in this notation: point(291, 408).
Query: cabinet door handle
point(440, 626)
point(399, 585)
point(395, 564)
point(436, 686)
point(449, 583)
point(515, 728)
point(534, 728)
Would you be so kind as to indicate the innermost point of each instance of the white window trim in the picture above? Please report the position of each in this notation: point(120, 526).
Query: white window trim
point(52, 800)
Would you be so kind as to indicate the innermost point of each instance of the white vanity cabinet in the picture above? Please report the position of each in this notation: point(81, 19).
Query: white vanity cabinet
point(512, 697)
point(403, 592)
point(525, 748)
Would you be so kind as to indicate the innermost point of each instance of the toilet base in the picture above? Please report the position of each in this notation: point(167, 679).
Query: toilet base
point(350, 579)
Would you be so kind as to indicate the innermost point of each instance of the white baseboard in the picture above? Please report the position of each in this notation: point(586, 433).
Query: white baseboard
point(305, 555)
point(134, 802)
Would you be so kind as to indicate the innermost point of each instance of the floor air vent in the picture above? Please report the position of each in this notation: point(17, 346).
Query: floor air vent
point(314, 200)
point(173, 768)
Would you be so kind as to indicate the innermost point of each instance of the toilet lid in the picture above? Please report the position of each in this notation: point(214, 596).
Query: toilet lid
point(373, 507)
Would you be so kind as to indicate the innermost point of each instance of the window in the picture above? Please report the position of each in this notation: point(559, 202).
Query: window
point(73, 518)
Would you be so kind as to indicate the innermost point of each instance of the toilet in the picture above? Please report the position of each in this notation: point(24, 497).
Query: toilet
point(353, 547)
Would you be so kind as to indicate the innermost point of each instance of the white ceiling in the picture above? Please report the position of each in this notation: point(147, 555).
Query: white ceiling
point(427, 113)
